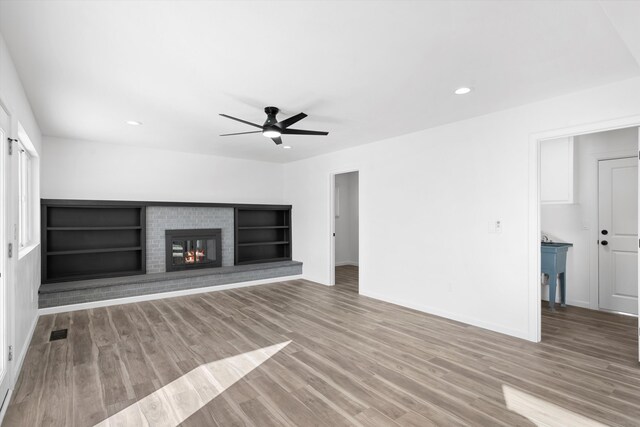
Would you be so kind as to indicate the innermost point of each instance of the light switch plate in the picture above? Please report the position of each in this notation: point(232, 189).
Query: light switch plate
point(495, 226)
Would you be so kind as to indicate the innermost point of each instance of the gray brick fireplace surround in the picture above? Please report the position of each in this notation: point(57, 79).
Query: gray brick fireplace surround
point(161, 218)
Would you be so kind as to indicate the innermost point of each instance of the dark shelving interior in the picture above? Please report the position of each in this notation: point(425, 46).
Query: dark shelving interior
point(93, 217)
point(263, 217)
point(260, 235)
point(263, 253)
point(133, 227)
point(282, 242)
point(92, 239)
point(263, 235)
point(87, 242)
point(263, 227)
point(92, 265)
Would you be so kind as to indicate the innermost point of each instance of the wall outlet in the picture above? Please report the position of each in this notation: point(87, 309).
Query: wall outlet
point(495, 226)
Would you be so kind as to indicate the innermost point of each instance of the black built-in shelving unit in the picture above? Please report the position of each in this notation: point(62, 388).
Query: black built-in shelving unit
point(91, 241)
point(262, 234)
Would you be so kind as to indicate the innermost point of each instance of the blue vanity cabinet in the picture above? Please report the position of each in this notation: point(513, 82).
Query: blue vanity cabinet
point(554, 263)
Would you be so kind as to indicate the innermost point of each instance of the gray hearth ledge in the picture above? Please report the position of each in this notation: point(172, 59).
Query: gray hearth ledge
point(57, 294)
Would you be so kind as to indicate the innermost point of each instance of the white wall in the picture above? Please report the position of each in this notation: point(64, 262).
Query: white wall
point(426, 200)
point(24, 271)
point(347, 222)
point(578, 223)
point(98, 171)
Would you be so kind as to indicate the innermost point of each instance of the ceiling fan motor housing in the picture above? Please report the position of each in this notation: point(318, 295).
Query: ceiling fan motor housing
point(271, 117)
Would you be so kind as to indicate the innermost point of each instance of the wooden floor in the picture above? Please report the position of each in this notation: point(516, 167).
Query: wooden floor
point(351, 360)
point(347, 278)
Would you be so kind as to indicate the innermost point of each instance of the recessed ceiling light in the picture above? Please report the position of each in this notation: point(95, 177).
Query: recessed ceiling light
point(134, 122)
point(286, 147)
point(462, 90)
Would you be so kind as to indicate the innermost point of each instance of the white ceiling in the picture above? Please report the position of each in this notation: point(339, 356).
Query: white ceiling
point(362, 70)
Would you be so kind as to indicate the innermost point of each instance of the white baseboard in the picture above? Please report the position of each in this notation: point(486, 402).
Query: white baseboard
point(577, 303)
point(23, 354)
point(18, 366)
point(6, 405)
point(150, 297)
point(452, 316)
point(341, 263)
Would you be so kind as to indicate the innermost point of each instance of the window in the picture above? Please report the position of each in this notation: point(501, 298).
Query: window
point(25, 185)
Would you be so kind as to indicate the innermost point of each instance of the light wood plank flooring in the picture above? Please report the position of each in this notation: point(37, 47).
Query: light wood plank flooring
point(347, 278)
point(352, 360)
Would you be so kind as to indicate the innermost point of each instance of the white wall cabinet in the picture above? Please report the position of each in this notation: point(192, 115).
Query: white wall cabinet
point(557, 183)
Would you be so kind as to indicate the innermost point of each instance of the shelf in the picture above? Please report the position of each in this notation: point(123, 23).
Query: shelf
point(262, 235)
point(262, 218)
point(94, 251)
point(132, 227)
point(284, 242)
point(264, 227)
point(78, 216)
point(92, 240)
point(263, 260)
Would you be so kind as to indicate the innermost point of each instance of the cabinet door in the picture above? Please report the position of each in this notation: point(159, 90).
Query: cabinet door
point(556, 171)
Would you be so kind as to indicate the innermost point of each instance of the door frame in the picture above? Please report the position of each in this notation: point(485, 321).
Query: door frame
point(332, 219)
point(7, 266)
point(534, 288)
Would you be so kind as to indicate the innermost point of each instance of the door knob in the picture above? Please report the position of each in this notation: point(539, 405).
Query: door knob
point(604, 232)
point(604, 243)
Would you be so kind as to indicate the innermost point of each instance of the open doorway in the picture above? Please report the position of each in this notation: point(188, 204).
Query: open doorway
point(589, 240)
point(346, 231)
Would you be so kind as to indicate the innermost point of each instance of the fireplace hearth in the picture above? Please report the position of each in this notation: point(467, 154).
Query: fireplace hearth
point(191, 249)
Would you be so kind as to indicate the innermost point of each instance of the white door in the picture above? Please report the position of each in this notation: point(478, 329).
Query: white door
point(4, 306)
point(618, 227)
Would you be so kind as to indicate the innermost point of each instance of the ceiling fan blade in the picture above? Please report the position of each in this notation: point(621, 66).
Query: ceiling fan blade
point(291, 120)
point(277, 140)
point(241, 133)
point(241, 121)
point(302, 132)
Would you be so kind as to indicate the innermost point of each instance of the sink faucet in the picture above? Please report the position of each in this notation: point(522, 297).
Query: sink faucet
point(545, 238)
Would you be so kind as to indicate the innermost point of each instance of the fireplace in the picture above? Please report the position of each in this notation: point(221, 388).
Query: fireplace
point(191, 249)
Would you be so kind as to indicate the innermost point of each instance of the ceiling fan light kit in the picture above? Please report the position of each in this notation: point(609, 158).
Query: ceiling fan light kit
point(273, 129)
point(271, 133)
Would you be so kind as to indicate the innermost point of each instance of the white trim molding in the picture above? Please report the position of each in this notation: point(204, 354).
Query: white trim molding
point(23, 353)
point(448, 315)
point(17, 367)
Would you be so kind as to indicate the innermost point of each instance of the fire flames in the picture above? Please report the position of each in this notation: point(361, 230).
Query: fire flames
point(191, 257)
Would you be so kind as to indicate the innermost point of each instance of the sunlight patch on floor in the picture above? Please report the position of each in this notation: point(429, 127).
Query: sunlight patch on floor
point(543, 413)
point(175, 402)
